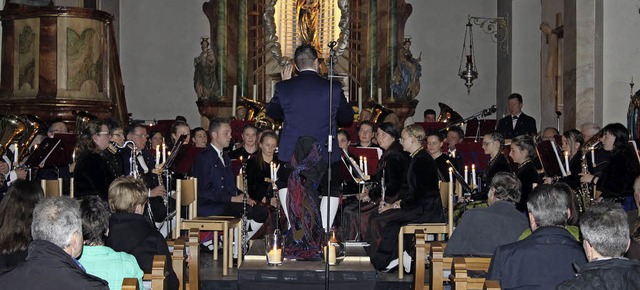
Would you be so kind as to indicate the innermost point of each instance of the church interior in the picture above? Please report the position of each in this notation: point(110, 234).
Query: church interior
point(147, 61)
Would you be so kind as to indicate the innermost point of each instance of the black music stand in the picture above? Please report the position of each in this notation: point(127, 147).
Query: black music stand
point(549, 154)
point(360, 179)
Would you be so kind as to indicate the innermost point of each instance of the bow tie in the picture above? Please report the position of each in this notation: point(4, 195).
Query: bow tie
point(514, 117)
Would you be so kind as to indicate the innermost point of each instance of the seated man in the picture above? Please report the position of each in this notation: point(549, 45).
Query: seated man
point(605, 235)
point(429, 115)
point(481, 230)
point(57, 242)
point(97, 258)
point(549, 133)
point(546, 258)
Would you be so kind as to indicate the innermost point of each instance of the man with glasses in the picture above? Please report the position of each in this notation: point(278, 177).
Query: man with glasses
point(145, 162)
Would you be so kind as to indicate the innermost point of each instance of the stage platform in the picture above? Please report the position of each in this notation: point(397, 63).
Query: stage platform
point(354, 272)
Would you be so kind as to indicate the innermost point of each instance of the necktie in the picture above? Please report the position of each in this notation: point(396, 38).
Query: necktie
point(515, 121)
point(221, 158)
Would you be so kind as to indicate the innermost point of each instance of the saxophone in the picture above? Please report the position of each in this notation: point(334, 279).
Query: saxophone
point(585, 199)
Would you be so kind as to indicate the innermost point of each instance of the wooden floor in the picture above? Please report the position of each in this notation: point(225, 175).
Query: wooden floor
point(211, 275)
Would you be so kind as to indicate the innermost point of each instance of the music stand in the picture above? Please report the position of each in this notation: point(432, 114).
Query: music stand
point(50, 152)
point(372, 154)
point(549, 155)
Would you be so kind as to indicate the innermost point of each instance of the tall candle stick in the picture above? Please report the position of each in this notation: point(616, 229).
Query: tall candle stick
point(255, 92)
point(450, 182)
point(566, 162)
point(366, 167)
point(380, 96)
point(164, 152)
point(273, 89)
point(234, 101)
point(466, 174)
point(360, 163)
point(157, 155)
point(593, 157)
point(473, 174)
point(15, 153)
point(360, 100)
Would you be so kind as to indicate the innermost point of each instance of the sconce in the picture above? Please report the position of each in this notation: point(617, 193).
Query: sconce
point(498, 28)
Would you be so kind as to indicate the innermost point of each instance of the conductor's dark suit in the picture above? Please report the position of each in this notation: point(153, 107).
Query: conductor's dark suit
point(303, 103)
point(525, 125)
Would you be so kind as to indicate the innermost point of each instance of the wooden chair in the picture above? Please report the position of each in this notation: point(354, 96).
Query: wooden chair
point(461, 277)
point(440, 230)
point(187, 195)
point(491, 285)
point(130, 284)
point(159, 273)
point(52, 188)
point(193, 259)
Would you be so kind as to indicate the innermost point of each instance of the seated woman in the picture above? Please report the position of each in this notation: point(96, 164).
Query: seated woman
point(617, 177)
point(481, 230)
point(130, 231)
point(522, 152)
point(260, 184)
point(392, 167)
point(98, 259)
point(16, 214)
point(492, 144)
point(92, 175)
point(434, 146)
point(418, 202)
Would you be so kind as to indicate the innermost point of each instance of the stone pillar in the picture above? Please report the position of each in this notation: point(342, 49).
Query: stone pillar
point(372, 53)
point(504, 78)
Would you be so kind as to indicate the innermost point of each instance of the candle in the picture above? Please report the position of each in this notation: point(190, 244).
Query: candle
point(360, 100)
point(332, 254)
point(466, 174)
point(15, 153)
point(360, 163)
point(273, 89)
point(593, 157)
point(164, 152)
point(73, 156)
point(380, 96)
point(255, 92)
point(366, 168)
point(566, 162)
point(233, 101)
point(473, 174)
point(157, 155)
point(450, 182)
point(275, 256)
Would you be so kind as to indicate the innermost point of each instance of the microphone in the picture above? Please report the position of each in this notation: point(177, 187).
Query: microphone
point(332, 44)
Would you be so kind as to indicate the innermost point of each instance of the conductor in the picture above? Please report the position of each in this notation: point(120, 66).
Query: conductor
point(303, 103)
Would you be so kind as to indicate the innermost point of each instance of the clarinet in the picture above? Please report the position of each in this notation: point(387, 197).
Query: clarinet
point(245, 197)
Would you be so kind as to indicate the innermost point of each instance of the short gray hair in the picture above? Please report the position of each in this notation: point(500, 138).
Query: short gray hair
point(56, 220)
point(606, 228)
point(507, 186)
point(549, 205)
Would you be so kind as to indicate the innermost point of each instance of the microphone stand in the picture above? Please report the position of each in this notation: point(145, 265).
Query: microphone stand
point(332, 55)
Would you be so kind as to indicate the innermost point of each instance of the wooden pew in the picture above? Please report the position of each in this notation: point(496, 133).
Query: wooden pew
point(491, 285)
point(159, 273)
point(193, 259)
point(462, 276)
point(439, 263)
point(177, 260)
point(130, 284)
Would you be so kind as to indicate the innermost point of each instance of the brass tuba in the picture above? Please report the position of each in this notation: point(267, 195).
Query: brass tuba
point(257, 112)
point(379, 113)
point(82, 118)
point(34, 126)
point(11, 127)
point(448, 115)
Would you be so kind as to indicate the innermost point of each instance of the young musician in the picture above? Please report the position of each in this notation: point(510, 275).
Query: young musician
point(249, 146)
point(434, 147)
point(522, 152)
point(92, 175)
point(492, 144)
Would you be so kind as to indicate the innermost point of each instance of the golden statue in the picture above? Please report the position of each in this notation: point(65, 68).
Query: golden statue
point(308, 21)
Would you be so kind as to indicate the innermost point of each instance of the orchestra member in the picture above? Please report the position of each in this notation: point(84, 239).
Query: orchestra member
point(112, 155)
point(517, 123)
point(455, 136)
point(365, 115)
point(434, 147)
point(156, 139)
point(429, 115)
point(522, 153)
point(571, 143)
point(492, 144)
point(178, 129)
point(616, 179)
point(249, 143)
point(365, 134)
point(549, 133)
point(55, 172)
point(92, 175)
point(199, 137)
point(419, 202)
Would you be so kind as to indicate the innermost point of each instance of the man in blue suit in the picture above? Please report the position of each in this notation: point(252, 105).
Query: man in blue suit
point(217, 191)
point(517, 123)
point(303, 103)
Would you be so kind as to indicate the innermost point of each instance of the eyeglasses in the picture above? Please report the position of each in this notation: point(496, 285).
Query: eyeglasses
point(487, 143)
point(102, 133)
point(117, 134)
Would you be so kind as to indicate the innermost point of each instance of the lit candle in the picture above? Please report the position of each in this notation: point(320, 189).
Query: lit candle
point(366, 168)
point(275, 256)
point(73, 156)
point(255, 92)
point(566, 162)
point(450, 182)
point(233, 101)
point(273, 89)
point(157, 155)
point(380, 96)
point(271, 171)
point(332, 253)
point(360, 100)
point(466, 174)
point(473, 174)
point(164, 152)
point(15, 153)
point(360, 163)
point(593, 157)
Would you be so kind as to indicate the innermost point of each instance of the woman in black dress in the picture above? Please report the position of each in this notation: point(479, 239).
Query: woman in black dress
point(617, 177)
point(92, 175)
point(418, 202)
point(492, 144)
point(522, 152)
point(434, 147)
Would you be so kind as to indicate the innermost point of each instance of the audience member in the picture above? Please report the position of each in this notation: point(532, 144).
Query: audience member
point(546, 258)
point(16, 213)
point(130, 231)
point(57, 242)
point(517, 123)
point(481, 230)
point(98, 259)
point(605, 239)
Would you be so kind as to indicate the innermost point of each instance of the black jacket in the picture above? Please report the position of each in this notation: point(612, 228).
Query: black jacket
point(525, 125)
point(422, 188)
point(613, 274)
point(132, 233)
point(394, 162)
point(528, 175)
point(92, 176)
point(49, 267)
